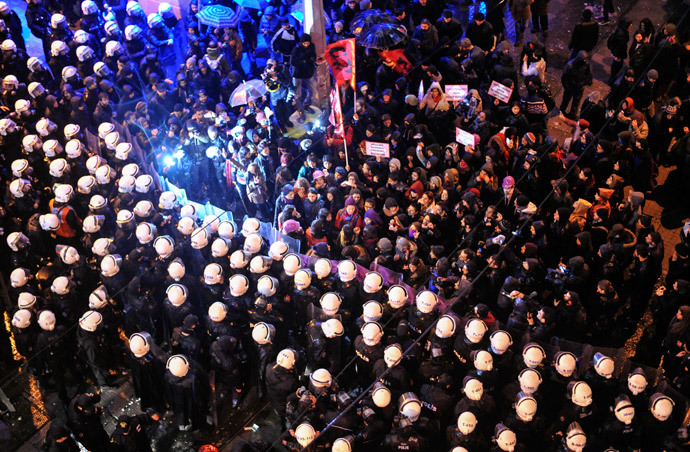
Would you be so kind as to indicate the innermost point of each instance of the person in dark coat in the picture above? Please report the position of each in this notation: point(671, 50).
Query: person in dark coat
point(38, 20)
point(14, 25)
point(84, 418)
point(59, 439)
point(481, 33)
point(448, 26)
point(585, 34)
point(576, 75)
point(186, 391)
point(130, 433)
point(281, 381)
point(618, 45)
point(148, 368)
point(303, 62)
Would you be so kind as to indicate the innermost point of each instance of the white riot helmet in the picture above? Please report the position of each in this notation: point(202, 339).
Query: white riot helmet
point(89, 7)
point(90, 321)
point(323, 268)
point(19, 187)
point(21, 319)
point(58, 167)
point(263, 333)
point(291, 263)
point(332, 328)
point(239, 285)
point(146, 232)
point(71, 131)
point(68, 73)
point(372, 283)
point(186, 226)
point(188, 210)
point(143, 209)
point(305, 434)
point(49, 222)
point(61, 285)
point(392, 355)
point(130, 169)
point(19, 277)
point(98, 299)
point(111, 28)
point(259, 265)
point(278, 250)
point(7, 126)
point(529, 380)
point(372, 332)
point(93, 163)
point(164, 246)
point(102, 246)
point(426, 301)
point(637, 381)
point(10, 82)
point(252, 243)
point(58, 48)
point(126, 184)
point(226, 230)
point(17, 240)
point(84, 53)
point(105, 128)
point(343, 444)
point(85, 184)
point(31, 142)
point(26, 300)
point(506, 439)
point(661, 406)
point(217, 311)
point(178, 365)
point(143, 183)
point(104, 174)
point(475, 330)
point(210, 223)
point(623, 409)
point(250, 226)
point(467, 422)
point(139, 344)
point(321, 378)
point(267, 286)
point(533, 354)
point(500, 341)
point(167, 200)
point(36, 89)
point(176, 269)
point(153, 20)
point(473, 388)
point(213, 274)
point(372, 311)
point(603, 365)
point(397, 296)
point(52, 148)
point(330, 303)
point(45, 127)
point(8, 45)
point(81, 37)
point(302, 279)
point(347, 271)
point(239, 259)
point(410, 406)
point(575, 438)
point(177, 294)
point(113, 48)
point(483, 360)
point(286, 358)
point(46, 320)
point(446, 326)
point(33, 64)
point(122, 151)
point(68, 254)
point(124, 217)
point(101, 69)
point(110, 265)
point(381, 395)
point(132, 32)
point(73, 148)
point(97, 202)
point(63, 192)
point(219, 248)
point(133, 7)
point(19, 166)
point(21, 105)
point(580, 393)
point(199, 239)
point(525, 407)
point(565, 364)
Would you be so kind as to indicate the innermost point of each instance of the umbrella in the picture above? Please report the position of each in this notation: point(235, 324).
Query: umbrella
point(382, 36)
point(251, 90)
point(297, 11)
point(218, 16)
point(366, 19)
point(253, 4)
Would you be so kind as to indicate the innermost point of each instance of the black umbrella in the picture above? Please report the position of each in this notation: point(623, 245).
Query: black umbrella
point(364, 20)
point(382, 36)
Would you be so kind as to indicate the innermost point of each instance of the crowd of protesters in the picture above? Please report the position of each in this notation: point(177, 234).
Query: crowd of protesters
point(526, 263)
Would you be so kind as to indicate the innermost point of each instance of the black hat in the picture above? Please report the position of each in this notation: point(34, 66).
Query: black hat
point(479, 16)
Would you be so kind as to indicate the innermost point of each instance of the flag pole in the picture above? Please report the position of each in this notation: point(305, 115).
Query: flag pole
point(342, 116)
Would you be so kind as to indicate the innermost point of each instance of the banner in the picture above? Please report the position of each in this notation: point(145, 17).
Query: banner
point(397, 60)
point(336, 115)
point(456, 92)
point(375, 149)
point(500, 92)
point(341, 59)
point(420, 91)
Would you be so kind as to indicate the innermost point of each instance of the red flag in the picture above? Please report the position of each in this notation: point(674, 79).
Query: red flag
point(336, 116)
point(397, 59)
point(341, 58)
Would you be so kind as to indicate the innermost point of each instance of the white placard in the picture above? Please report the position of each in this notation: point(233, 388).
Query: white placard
point(500, 91)
point(456, 92)
point(464, 137)
point(375, 149)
